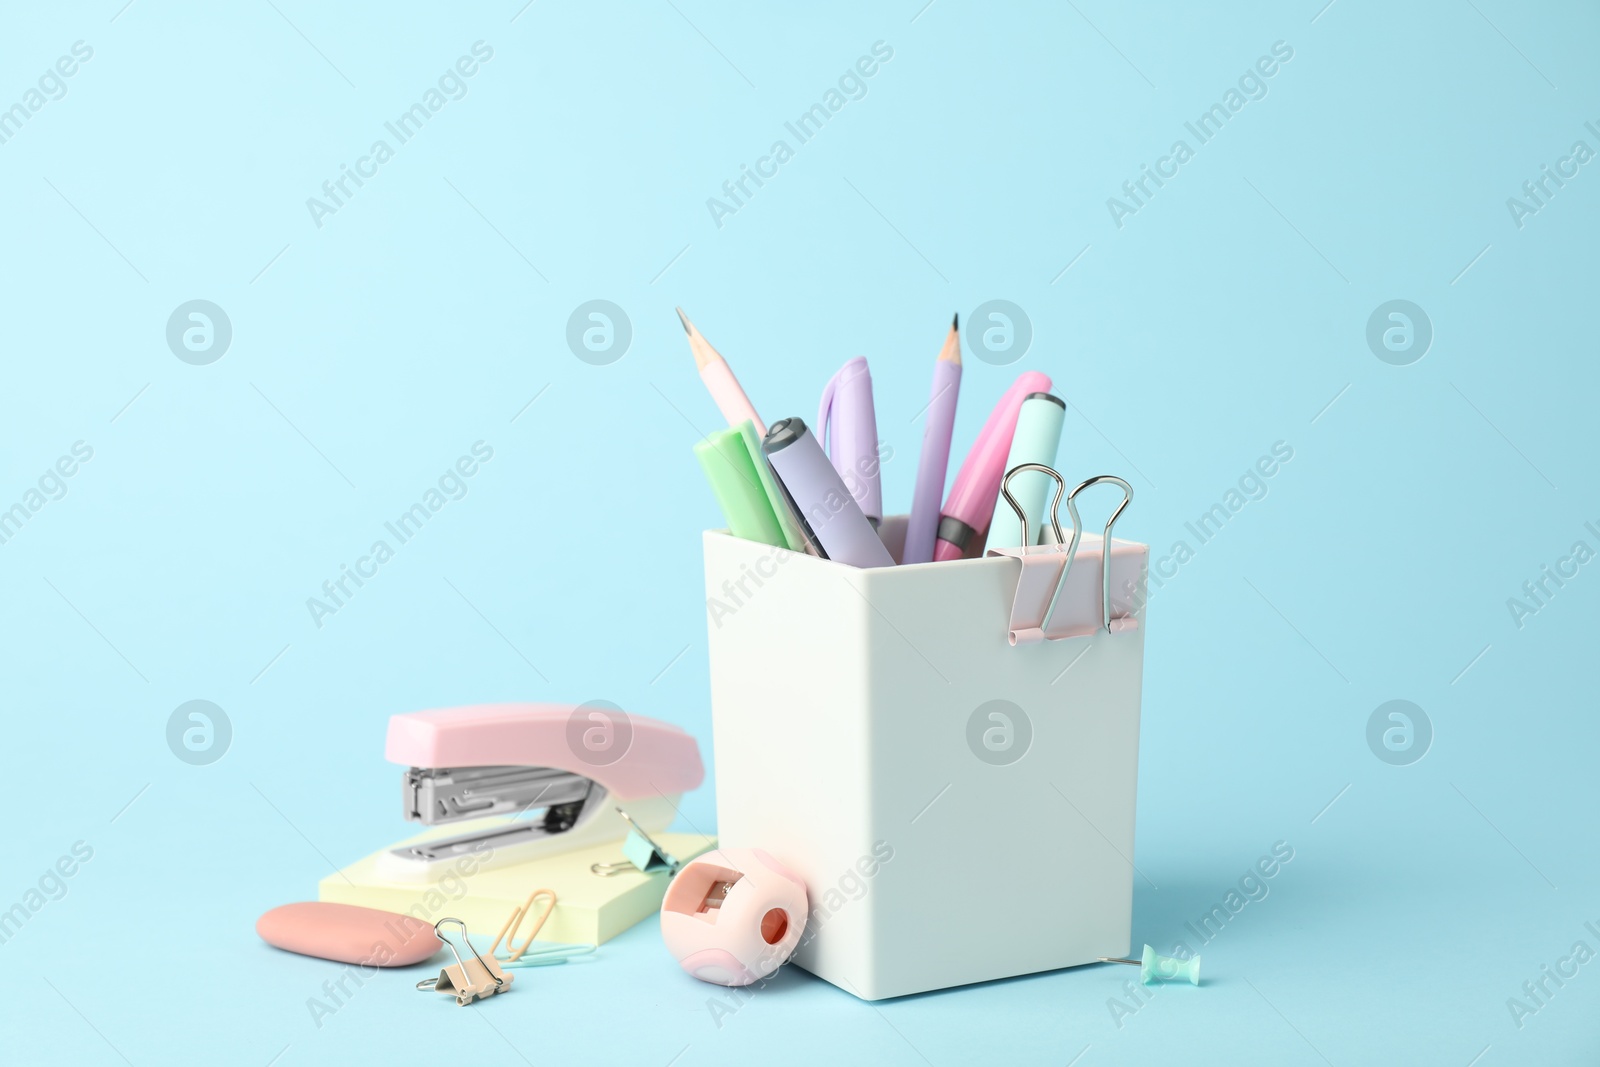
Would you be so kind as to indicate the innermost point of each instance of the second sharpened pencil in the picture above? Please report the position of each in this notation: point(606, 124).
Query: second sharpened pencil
point(719, 379)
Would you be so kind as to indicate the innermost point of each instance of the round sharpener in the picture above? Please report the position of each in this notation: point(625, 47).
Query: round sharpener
point(733, 915)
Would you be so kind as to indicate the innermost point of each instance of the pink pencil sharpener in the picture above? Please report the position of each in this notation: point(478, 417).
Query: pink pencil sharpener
point(733, 915)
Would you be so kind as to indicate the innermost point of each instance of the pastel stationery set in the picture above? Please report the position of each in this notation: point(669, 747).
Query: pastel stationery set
point(939, 672)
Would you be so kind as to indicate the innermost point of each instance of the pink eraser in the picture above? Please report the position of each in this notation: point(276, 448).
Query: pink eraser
point(348, 934)
point(733, 915)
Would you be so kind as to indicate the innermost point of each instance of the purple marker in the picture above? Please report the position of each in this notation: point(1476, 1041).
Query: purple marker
point(847, 426)
point(831, 518)
point(935, 462)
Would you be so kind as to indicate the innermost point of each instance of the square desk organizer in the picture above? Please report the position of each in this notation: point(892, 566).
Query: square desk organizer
point(960, 808)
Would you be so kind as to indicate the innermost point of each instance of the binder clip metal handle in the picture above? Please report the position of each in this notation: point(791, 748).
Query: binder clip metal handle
point(461, 981)
point(1077, 531)
point(1055, 523)
point(1105, 543)
point(1055, 505)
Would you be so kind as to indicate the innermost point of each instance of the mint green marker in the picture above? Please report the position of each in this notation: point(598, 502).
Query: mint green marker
point(725, 458)
point(745, 487)
point(793, 539)
point(1036, 440)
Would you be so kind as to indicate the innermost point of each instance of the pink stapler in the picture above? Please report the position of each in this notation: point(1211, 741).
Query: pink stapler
point(535, 779)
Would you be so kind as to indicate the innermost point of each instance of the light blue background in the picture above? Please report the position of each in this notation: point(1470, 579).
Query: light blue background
point(369, 354)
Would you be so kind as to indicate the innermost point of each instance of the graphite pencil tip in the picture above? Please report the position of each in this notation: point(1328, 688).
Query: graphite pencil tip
point(698, 345)
point(950, 352)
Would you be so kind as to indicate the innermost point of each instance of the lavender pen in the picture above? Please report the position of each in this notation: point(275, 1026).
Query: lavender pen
point(847, 429)
point(935, 462)
point(822, 504)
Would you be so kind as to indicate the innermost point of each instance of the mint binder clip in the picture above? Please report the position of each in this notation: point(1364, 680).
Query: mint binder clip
point(640, 854)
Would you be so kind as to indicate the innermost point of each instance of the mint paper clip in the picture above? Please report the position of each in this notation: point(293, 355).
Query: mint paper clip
point(640, 854)
point(1165, 968)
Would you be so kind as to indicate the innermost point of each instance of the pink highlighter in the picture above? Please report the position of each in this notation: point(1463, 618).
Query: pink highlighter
point(970, 505)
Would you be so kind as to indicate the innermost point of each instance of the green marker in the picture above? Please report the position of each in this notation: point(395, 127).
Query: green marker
point(744, 485)
point(793, 539)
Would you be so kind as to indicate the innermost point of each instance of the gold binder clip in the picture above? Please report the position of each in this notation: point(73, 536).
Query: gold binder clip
point(467, 982)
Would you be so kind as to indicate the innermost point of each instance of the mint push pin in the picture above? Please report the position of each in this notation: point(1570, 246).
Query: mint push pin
point(1166, 968)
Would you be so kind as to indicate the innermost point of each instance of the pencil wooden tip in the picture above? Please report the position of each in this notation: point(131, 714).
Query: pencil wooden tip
point(951, 352)
point(698, 345)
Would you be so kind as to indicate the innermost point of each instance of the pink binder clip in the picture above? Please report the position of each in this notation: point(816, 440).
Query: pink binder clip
point(1053, 598)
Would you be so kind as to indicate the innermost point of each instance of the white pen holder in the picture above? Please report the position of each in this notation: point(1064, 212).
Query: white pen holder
point(960, 808)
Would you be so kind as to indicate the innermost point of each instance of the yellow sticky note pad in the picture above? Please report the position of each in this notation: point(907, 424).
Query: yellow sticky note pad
point(590, 909)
